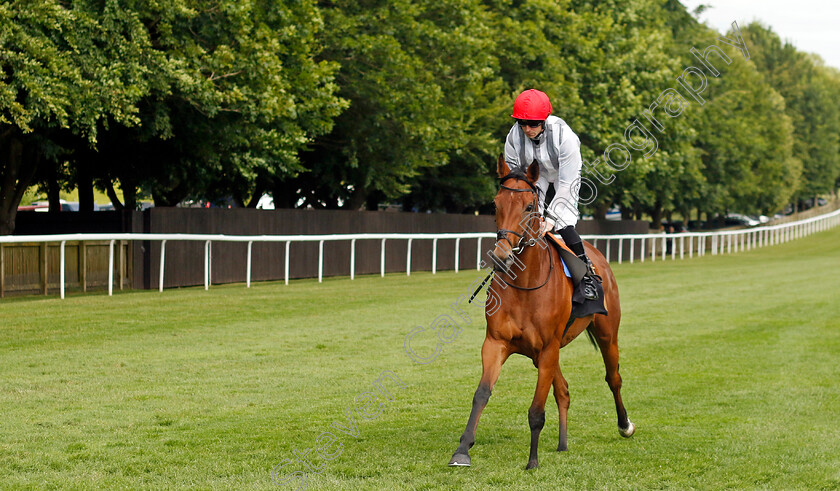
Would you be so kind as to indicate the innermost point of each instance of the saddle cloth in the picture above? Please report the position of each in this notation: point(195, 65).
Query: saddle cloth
point(581, 307)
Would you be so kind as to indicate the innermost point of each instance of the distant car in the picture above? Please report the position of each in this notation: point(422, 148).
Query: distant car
point(613, 213)
point(738, 219)
point(34, 207)
point(809, 203)
point(44, 206)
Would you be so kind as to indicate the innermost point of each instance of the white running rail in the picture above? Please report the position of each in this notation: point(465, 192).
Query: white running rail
point(721, 242)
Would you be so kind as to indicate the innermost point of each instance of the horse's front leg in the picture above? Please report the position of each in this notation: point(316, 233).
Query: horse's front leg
point(493, 355)
point(546, 370)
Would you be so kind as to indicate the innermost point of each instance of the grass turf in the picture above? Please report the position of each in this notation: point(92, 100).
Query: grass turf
point(730, 367)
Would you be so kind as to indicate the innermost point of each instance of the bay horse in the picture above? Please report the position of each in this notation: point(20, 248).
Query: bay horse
point(532, 317)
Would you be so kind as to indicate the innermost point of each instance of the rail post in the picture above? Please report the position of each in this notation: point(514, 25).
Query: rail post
point(434, 255)
point(162, 263)
point(320, 261)
point(248, 266)
point(408, 258)
point(61, 269)
point(352, 258)
point(286, 269)
point(382, 259)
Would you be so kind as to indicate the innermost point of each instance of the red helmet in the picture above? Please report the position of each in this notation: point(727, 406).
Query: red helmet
point(531, 104)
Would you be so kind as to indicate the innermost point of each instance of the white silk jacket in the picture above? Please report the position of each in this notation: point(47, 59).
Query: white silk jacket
point(557, 150)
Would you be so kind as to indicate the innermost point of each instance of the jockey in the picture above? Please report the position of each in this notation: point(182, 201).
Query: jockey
point(548, 139)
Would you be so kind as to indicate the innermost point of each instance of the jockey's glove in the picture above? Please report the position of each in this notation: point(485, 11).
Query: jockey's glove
point(547, 226)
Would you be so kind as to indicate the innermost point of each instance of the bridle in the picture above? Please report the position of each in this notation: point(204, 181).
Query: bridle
point(501, 234)
point(523, 241)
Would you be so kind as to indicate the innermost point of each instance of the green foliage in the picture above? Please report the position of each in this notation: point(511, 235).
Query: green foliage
point(810, 93)
point(418, 76)
point(237, 94)
point(351, 103)
point(747, 144)
point(65, 72)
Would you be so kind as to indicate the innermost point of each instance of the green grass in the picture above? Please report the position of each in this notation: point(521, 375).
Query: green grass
point(730, 367)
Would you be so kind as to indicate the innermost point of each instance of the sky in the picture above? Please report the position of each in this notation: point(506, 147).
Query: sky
point(810, 25)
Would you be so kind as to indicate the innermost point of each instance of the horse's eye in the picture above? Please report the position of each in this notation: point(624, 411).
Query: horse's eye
point(529, 208)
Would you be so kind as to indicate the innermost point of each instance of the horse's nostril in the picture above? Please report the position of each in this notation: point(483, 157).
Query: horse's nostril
point(501, 259)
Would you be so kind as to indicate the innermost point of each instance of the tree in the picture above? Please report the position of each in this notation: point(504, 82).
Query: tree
point(64, 72)
point(810, 93)
point(746, 143)
point(414, 73)
point(235, 94)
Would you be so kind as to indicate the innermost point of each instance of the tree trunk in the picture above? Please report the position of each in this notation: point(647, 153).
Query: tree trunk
point(358, 199)
point(53, 189)
point(656, 215)
point(259, 190)
point(112, 195)
point(85, 186)
point(600, 212)
point(284, 194)
point(129, 189)
point(15, 179)
point(372, 201)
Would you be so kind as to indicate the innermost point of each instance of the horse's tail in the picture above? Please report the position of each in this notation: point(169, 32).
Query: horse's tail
point(591, 335)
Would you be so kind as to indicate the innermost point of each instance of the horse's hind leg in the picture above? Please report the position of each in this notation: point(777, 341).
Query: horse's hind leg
point(493, 355)
point(607, 337)
point(561, 395)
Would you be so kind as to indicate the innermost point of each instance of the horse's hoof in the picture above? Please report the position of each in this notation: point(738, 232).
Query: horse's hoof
point(562, 448)
point(627, 432)
point(532, 464)
point(460, 460)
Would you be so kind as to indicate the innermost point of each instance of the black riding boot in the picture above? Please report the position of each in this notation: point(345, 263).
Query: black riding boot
point(587, 283)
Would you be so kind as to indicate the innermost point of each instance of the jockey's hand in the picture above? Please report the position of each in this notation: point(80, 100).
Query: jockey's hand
point(547, 226)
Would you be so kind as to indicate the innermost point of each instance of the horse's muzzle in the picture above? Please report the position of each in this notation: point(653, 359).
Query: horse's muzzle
point(502, 257)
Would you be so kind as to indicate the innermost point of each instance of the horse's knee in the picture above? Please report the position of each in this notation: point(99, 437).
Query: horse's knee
point(613, 380)
point(482, 395)
point(536, 419)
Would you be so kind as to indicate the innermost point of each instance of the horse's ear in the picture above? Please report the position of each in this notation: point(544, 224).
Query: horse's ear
point(501, 166)
point(533, 171)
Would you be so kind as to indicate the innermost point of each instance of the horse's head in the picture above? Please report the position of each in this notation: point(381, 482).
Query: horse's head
point(517, 212)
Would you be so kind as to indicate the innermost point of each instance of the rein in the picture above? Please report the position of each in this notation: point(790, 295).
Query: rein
point(525, 288)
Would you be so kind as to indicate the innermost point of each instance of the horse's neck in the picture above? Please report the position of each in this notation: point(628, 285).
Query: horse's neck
point(535, 262)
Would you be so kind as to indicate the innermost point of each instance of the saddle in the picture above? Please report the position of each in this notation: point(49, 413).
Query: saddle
point(581, 307)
